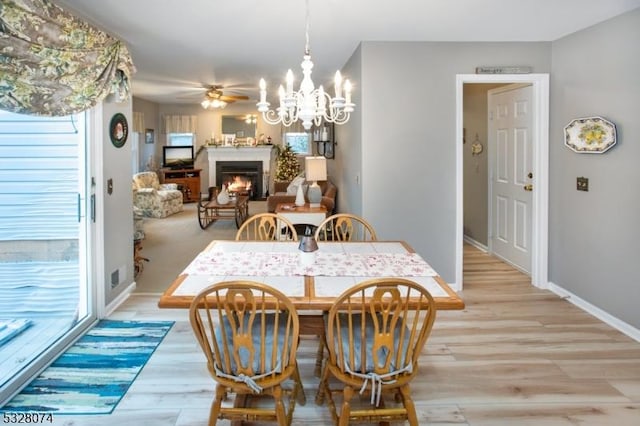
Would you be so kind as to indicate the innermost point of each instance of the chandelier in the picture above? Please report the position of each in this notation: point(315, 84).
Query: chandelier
point(308, 104)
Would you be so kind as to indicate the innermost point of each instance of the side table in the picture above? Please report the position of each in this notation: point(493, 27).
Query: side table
point(301, 216)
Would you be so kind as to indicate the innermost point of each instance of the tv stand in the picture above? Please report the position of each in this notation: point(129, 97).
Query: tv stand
point(179, 167)
point(188, 181)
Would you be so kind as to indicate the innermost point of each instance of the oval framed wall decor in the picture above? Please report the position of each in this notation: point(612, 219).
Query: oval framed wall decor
point(593, 135)
point(118, 130)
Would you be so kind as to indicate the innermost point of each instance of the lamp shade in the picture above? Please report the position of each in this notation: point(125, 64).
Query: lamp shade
point(315, 168)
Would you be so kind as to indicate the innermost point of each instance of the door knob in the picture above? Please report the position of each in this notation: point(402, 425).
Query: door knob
point(528, 187)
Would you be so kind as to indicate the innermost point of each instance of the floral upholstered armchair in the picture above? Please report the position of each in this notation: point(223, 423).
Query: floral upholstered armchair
point(138, 224)
point(155, 199)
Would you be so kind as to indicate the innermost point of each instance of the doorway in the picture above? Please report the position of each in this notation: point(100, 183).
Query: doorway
point(539, 164)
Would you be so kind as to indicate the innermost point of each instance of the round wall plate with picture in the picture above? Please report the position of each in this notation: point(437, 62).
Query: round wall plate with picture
point(118, 130)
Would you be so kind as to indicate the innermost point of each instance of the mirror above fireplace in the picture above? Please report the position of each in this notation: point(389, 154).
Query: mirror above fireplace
point(239, 125)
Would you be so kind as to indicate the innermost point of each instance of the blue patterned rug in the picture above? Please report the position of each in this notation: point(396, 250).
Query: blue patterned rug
point(93, 375)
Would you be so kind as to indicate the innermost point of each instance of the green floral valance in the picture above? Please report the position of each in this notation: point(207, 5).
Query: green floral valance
point(52, 63)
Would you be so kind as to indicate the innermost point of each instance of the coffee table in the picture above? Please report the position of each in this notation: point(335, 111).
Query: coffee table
point(210, 210)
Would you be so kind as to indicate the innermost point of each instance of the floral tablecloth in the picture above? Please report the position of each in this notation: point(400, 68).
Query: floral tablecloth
point(325, 264)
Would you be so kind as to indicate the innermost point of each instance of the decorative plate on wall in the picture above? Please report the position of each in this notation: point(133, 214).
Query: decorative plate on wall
point(590, 135)
point(118, 130)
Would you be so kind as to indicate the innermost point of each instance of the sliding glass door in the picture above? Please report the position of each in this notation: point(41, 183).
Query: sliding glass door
point(45, 299)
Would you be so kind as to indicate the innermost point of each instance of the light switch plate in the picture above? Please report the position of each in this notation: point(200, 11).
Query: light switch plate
point(582, 184)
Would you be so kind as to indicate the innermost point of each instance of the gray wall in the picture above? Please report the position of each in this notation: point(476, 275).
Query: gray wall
point(346, 169)
point(151, 121)
point(408, 133)
point(401, 140)
point(593, 241)
point(210, 121)
point(118, 206)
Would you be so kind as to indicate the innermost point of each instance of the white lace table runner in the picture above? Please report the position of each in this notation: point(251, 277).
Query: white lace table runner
point(217, 263)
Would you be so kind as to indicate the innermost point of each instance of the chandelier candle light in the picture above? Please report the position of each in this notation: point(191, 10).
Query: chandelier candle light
point(308, 104)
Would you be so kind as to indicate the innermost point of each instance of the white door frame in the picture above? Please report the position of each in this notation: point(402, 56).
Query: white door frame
point(540, 207)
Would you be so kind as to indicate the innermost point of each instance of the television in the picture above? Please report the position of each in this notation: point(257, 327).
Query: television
point(177, 157)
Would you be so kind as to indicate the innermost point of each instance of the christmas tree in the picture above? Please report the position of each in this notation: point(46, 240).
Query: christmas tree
point(287, 166)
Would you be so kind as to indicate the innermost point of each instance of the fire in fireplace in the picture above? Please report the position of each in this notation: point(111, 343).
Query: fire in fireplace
point(238, 183)
point(242, 177)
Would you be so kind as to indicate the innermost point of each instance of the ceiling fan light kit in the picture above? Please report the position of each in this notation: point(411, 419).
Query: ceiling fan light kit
point(213, 104)
point(308, 104)
point(214, 98)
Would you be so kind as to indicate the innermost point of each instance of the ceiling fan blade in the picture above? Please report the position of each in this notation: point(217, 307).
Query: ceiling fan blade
point(233, 98)
point(193, 96)
point(211, 91)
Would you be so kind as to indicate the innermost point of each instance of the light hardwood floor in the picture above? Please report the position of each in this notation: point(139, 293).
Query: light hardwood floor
point(515, 356)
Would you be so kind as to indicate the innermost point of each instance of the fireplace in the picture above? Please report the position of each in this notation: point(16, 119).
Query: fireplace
point(242, 177)
point(245, 156)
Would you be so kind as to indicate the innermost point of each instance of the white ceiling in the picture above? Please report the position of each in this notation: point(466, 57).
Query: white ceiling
point(179, 46)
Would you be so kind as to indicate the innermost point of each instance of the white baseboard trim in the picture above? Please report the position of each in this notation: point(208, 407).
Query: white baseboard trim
point(119, 300)
point(605, 317)
point(475, 243)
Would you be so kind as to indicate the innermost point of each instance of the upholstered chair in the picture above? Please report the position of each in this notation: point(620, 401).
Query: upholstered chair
point(138, 224)
point(154, 199)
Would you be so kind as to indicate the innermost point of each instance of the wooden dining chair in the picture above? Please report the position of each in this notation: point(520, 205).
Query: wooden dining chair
point(341, 227)
point(345, 227)
point(375, 332)
point(249, 334)
point(267, 227)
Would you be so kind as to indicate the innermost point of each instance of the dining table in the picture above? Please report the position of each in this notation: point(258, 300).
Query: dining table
point(312, 287)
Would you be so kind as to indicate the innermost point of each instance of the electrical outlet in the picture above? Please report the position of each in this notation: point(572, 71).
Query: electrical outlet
point(118, 276)
point(582, 184)
point(115, 278)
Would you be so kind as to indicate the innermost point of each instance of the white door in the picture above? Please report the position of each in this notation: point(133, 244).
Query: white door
point(511, 174)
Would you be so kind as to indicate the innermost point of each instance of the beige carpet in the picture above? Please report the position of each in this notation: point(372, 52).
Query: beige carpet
point(171, 243)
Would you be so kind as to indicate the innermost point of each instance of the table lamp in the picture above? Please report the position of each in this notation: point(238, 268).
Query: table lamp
point(315, 170)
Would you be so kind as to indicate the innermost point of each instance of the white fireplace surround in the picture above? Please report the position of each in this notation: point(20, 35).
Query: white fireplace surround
point(263, 153)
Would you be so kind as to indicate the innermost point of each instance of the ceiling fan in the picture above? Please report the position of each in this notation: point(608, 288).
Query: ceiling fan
point(214, 97)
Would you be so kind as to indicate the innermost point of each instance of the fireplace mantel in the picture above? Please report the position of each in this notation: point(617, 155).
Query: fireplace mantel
point(263, 153)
